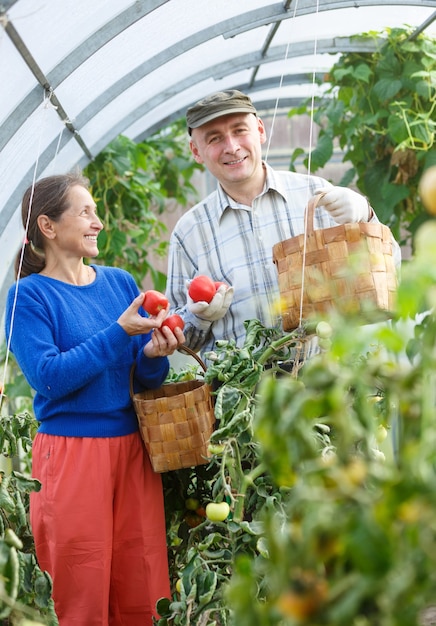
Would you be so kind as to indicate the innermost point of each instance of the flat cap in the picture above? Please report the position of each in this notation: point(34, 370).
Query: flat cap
point(216, 105)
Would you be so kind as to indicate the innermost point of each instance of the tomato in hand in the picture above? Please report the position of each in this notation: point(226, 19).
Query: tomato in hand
point(173, 322)
point(154, 301)
point(218, 284)
point(202, 289)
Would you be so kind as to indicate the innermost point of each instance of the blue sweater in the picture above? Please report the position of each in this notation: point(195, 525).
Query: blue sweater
point(76, 356)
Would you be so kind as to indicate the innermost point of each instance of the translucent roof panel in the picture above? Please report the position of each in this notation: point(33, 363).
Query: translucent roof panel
point(74, 74)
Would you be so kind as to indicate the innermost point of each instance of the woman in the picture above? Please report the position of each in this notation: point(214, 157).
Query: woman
point(75, 330)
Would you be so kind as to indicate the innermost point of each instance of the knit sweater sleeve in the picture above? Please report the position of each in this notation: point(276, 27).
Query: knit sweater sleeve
point(64, 338)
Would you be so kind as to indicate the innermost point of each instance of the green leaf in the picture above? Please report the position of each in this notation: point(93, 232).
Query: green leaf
point(363, 72)
point(387, 88)
point(322, 153)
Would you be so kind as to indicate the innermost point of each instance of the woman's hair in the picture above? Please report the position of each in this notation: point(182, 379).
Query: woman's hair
point(49, 196)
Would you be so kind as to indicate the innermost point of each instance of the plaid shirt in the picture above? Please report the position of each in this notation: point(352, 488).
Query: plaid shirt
point(233, 243)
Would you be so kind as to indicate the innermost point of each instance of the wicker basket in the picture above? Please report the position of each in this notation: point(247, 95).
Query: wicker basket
point(349, 267)
point(176, 421)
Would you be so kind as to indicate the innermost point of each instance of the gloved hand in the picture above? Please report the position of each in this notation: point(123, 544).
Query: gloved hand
point(216, 308)
point(345, 205)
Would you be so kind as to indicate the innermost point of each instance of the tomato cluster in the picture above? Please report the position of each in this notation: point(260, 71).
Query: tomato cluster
point(154, 302)
point(202, 288)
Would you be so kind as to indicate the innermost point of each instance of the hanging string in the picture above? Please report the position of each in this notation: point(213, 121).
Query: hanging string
point(280, 85)
point(46, 105)
point(309, 167)
point(53, 163)
point(311, 125)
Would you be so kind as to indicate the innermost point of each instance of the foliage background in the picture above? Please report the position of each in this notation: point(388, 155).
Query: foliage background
point(380, 109)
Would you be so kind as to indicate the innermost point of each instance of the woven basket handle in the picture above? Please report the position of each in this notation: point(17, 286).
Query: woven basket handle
point(187, 350)
point(179, 349)
point(313, 203)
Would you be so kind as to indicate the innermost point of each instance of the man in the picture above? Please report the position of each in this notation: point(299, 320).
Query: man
point(229, 235)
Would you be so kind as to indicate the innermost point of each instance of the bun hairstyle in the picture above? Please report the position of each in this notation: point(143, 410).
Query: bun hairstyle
point(49, 196)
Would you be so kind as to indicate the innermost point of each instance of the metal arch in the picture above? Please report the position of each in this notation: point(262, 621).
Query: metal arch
point(244, 22)
point(101, 37)
point(56, 76)
point(247, 21)
point(49, 82)
point(220, 70)
point(306, 7)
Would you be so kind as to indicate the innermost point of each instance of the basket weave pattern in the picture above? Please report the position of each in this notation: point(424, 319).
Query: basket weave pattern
point(349, 266)
point(176, 422)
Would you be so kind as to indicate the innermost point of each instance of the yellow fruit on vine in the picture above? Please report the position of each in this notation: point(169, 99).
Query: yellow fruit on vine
point(427, 189)
point(324, 330)
point(381, 433)
point(304, 598)
point(424, 240)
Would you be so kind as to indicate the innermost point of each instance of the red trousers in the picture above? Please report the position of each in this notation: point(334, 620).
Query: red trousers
point(99, 529)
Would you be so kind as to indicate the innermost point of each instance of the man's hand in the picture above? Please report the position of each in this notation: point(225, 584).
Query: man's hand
point(345, 205)
point(216, 308)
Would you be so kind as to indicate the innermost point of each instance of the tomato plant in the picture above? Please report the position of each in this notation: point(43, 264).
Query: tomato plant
point(328, 472)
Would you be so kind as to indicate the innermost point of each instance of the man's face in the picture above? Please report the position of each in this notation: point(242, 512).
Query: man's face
point(230, 147)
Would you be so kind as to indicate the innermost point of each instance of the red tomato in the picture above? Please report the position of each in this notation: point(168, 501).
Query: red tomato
point(218, 284)
point(173, 322)
point(192, 519)
point(154, 301)
point(202, 289)
point(201, 511)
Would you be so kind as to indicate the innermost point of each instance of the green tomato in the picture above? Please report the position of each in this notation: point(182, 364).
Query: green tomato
point(325, 343)
point(323, 330)
point(381, 433)
point(216, 448)
point(192, 504)
point(217, 511)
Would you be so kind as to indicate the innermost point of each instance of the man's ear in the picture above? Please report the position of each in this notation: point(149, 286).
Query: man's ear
point(261, 129)
point(195, 152)
point(46, 226)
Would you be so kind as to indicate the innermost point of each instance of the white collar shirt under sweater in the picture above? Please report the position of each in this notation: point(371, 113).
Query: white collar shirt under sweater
point(233, 243)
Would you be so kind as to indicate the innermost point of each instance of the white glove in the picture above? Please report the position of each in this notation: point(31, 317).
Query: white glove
point(216, 308)
point(345, 205)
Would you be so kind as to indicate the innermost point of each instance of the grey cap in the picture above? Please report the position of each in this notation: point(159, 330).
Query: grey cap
point(216, 105)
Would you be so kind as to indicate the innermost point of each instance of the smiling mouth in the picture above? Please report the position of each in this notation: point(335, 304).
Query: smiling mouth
point(235, 162)
point(91, 238)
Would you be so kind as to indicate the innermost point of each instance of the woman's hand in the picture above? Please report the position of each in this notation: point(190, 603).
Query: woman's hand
point(164, 342)
point(134, 324)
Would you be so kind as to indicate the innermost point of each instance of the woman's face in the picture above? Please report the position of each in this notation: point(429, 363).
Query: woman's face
point(75, 233)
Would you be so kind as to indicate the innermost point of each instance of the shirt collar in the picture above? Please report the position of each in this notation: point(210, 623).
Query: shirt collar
point(273, 182)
